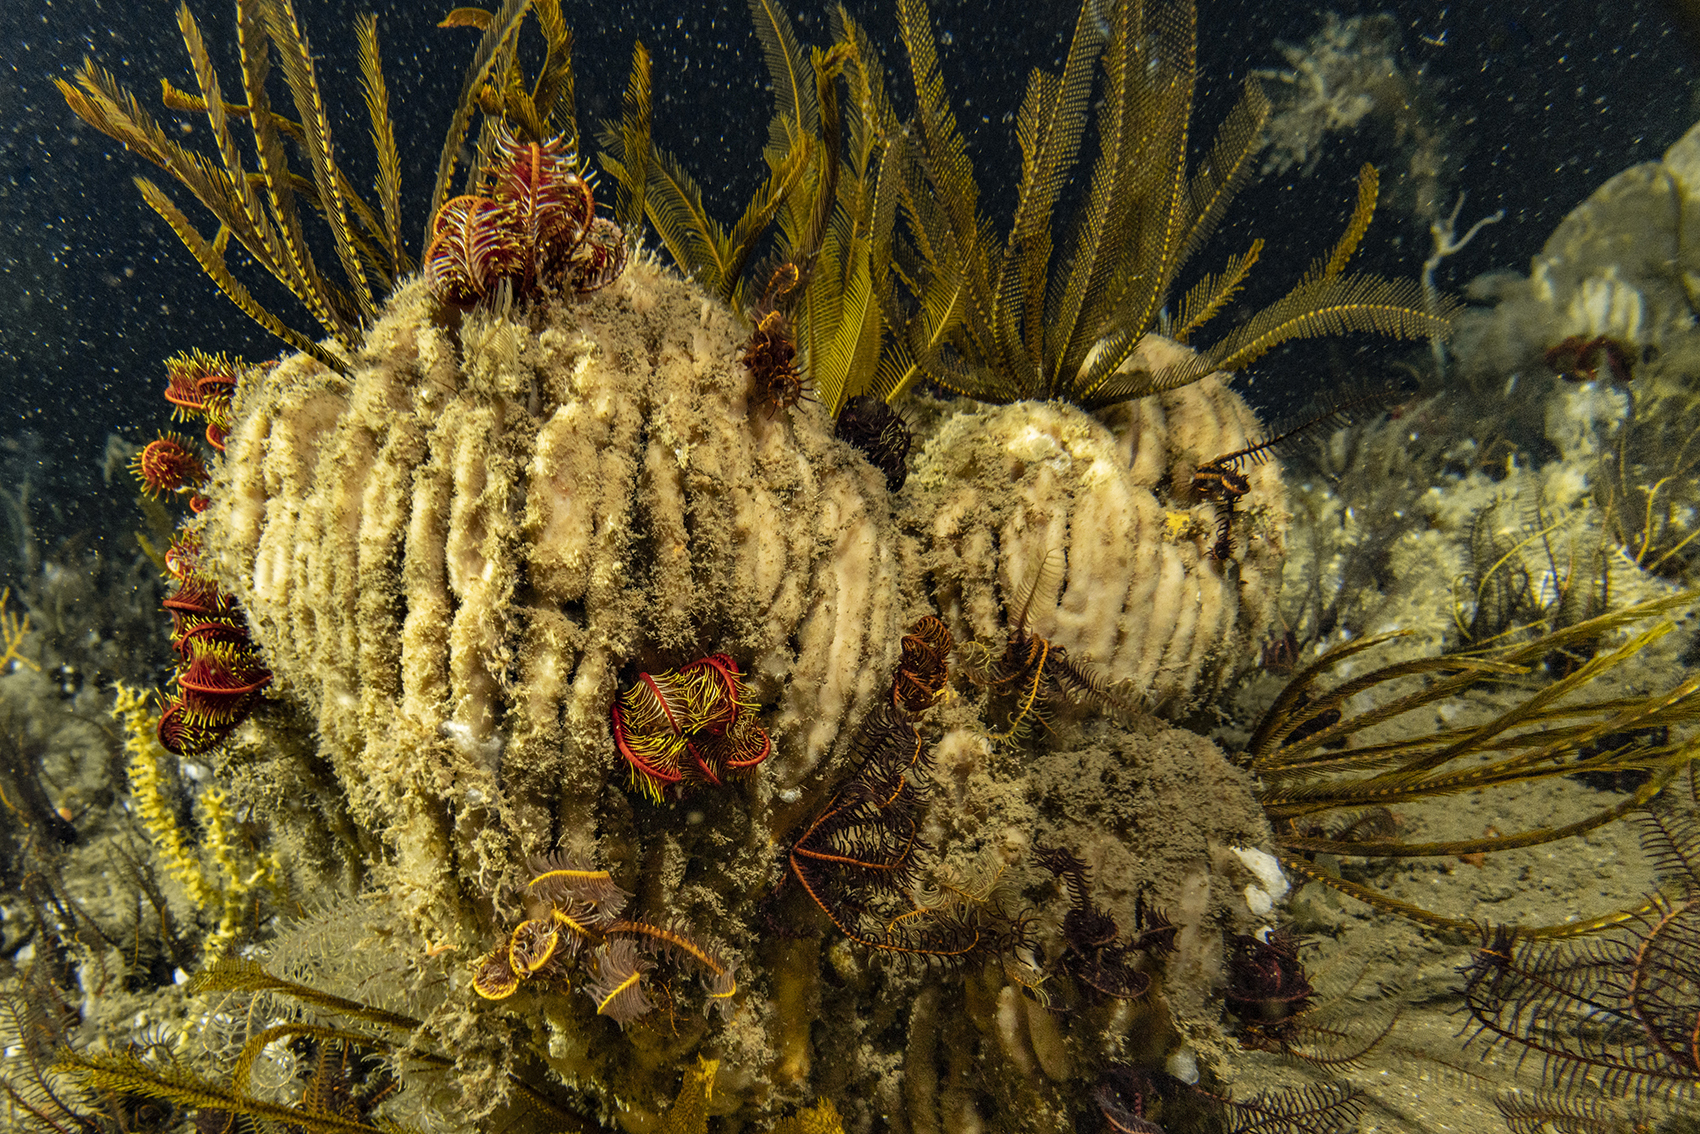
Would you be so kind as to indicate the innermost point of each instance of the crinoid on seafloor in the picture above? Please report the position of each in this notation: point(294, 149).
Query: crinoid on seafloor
point(1329, 757)
point(1617, 1015)
point(1131, 1101)
point(1096, 954)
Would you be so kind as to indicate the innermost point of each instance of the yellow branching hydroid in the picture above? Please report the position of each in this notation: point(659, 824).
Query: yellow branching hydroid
point(13, 629)
point(180, 861)
point(240, 872)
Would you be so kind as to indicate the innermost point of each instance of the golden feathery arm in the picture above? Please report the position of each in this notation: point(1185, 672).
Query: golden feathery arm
point(377, 96)
point(261, 232)
point(795, 110)
point(499, 31)
point(1083, 284)
point(1165, 66)
point(963, 235)
point(254, 51)
point(300, 75)
point(211, 260)
point(100, 101)
point(635, 132)
point(1050, 125)
point(554, 95)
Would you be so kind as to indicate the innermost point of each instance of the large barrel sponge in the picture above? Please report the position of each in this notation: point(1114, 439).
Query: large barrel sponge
point(1095, 516)
point(455, 557)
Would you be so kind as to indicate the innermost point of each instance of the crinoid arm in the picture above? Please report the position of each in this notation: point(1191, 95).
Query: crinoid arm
point(617, 988)
point(1319, 755)
point(563, 879)
point(674, 942)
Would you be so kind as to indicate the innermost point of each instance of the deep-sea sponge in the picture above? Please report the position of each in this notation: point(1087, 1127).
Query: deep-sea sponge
point(1622, 264)
point(457, 556)
point(1098, 514)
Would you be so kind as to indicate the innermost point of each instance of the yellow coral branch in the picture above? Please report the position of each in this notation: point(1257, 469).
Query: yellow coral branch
point(239, 875)
point(239, 882)
point(139, 722)
point(13, 628)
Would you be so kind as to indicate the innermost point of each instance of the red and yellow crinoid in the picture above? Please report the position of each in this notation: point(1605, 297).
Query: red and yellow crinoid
point(202, 385)
point(167, 464)
point(532, 222)
point(695, 724)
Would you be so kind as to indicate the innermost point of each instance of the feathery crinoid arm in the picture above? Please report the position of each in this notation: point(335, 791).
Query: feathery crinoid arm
point(377, 96)
point(499, 32)
point(256, 197)
point(631, 172)
point(1326, 301)
point(943, 198)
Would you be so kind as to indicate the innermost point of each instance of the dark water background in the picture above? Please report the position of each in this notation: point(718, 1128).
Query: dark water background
point(1539, 104)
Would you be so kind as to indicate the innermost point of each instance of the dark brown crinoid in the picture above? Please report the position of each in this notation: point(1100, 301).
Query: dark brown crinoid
point(880, 433)
point(861, 859)
point(770, 353)
point(1620, 1015)
point(1032, 673)
point(1096, 955)
point(1267, 987)
point(924, 669)
point(1131, 1100)
point(1271, 996)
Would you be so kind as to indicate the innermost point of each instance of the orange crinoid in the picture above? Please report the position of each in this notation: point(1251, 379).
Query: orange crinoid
point(575, 909)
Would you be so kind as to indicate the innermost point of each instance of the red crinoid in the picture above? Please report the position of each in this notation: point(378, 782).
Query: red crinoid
point(598, 260)
point(693, 724)
point(183, 556)
point(201, 385)
point(546, 207)
point(167, 464)
point(471, 249)
point(532, 221)
point(220, 677)
point(1579, 359)
point(200, 610)
point(219, 682)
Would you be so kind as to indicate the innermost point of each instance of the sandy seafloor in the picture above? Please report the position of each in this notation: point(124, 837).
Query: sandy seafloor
point(1424, 1078)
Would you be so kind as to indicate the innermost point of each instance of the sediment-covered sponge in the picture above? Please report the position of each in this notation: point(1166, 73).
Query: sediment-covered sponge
point(1098, 514)
point(455, 557)
point(1623, 264)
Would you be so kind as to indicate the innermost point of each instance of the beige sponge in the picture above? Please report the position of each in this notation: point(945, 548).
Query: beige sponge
point(456, 557)
point(1097, 512)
